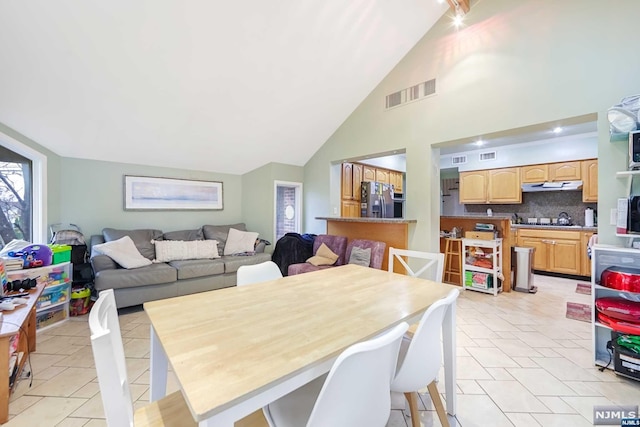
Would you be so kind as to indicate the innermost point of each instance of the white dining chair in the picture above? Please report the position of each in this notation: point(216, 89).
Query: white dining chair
point(263, 272)
point(432, 263)
point(108, 354)
point(420, 359)
point(356, 392)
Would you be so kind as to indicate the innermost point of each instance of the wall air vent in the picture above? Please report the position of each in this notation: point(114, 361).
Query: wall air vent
point(410, 94)
point(488, 155)
point(459, 160)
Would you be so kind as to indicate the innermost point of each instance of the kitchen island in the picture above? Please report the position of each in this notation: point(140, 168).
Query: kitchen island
point(393, 231)
point(502, 226)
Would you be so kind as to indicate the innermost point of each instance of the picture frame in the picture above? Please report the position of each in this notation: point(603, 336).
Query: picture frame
point(145, 193)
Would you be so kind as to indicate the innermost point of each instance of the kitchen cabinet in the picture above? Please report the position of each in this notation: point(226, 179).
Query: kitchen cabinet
point(491, 186)
point(347, 181)
point(350, 209)
point(395, 179)
point(350, 193)
point(589, 180)
point(557, 251)
point(565, 171)
point(586, 261)
point(534, 173)
point(382, 175)
point(368, 173)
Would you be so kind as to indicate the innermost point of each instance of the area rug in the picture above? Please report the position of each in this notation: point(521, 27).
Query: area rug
point(583, 288)
point(578, 311)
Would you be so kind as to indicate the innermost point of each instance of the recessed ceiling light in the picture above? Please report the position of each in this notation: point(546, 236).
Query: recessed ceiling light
point(457, 20)
point(557, 130)
point(479, 143)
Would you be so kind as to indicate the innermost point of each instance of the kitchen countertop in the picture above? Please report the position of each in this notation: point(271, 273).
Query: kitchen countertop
point(556, 227)
point(372, 220)
point(480, 216)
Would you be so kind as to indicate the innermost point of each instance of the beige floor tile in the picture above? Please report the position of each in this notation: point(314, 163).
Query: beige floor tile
point(140, 331)
point(511, 396)
point(556, 404)
point(91, 409)
point(136, 347)
point(65, 383)
point(82, 358)
point(48, 373)
point(522, 419)
point(540, 382)
point(478, 330)
point(583, 388)
point(537, 339)
point(577, 355)
point(566, 370)
point(470, 387)
point(562, 420)
point(477, 410)
point(22, 403)
point(88, 390)
point(500, 374)
point(525, 362)
point(491, 357)
point(584, 404)
point(73, 422)
point(48, 411)
point(482, 342)
point(469, 369)
point(96, 423)
point(515, 347)
point(397, 419)
point(623, 392)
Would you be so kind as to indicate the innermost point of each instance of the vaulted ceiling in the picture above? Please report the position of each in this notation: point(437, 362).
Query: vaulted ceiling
point(197, 84)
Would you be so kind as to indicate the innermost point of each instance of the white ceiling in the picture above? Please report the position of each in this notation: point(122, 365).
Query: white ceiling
point(196, 84)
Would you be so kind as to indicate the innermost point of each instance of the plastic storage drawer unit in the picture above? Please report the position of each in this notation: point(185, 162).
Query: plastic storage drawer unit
point(51, 316)
point(54, 295)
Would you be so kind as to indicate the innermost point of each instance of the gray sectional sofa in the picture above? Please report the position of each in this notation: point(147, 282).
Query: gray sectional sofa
point(169, 279)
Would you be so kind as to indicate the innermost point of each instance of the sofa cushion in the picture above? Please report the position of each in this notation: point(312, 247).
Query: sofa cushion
point(220, 233)
point(150, 275)
point(141, 238)
point(305, 267)
point(191, 268)
point(240, 242)
point(174, 250)
point(186, 235)
point(233, 262)
point(122, 251)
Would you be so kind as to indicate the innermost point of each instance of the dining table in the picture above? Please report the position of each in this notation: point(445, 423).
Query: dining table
point(237, 349)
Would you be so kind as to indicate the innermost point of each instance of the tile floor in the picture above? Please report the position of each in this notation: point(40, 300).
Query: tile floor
point(520, 363)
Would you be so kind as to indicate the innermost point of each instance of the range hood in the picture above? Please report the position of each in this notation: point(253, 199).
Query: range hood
point(552, 186)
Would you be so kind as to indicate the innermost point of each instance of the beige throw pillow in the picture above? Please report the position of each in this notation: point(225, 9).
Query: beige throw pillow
point(239, 242)
point(123, 251)
point(323, 256)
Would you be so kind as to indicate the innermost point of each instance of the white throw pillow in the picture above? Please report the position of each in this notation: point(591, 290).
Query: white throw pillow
point(124, 252)
point(176, 250)
point(240, 242)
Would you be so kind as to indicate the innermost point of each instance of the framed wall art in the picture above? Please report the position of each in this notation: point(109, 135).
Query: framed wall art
point(150, 193)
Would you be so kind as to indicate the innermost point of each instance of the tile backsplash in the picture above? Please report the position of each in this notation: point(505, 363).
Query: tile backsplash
point(546, 204)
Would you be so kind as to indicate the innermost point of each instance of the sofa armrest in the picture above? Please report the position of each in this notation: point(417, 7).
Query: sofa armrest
point(102, 262)
point(260, 245)
point(96, 239)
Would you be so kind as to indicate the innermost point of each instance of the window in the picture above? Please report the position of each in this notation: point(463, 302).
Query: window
point(288, 208)
point(22, 192)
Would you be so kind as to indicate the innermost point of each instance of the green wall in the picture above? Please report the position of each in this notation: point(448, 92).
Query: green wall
point(514, 64)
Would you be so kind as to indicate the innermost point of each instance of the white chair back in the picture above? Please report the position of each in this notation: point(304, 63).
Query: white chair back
point(263, 272)
point(434, 263)
point(108, 354)
point(356, 392)
point(419, 364)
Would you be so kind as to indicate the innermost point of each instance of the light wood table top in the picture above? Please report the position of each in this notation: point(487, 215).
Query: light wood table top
point(230, 344)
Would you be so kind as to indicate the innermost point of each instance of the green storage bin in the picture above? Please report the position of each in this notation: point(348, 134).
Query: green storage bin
point(61, 253)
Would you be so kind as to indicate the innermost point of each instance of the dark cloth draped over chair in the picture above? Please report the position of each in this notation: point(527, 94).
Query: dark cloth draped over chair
point(292, 248)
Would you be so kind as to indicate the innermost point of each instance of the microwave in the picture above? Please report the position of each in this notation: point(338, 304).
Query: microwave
point(634, 150)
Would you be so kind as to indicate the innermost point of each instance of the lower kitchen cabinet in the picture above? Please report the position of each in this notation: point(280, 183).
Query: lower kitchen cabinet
point(350, 208)
point(556, 251)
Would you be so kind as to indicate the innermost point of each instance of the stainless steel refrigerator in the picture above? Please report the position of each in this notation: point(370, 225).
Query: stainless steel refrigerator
point(376, 200)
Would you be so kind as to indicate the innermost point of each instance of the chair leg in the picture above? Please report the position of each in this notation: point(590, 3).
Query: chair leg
point(437, 403)
point(412, 398)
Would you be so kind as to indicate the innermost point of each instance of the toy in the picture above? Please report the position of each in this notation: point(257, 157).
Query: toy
point(34, 255)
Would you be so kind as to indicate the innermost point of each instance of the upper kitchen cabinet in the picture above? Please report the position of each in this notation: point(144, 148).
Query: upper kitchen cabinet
point(534, 173)
point(395, 179)
point(504, 186)
point(590, 180)
point(350, 193)
point(368, 173)
point(565, 171)
point(473, 187)
point(382, 175)
point(501, 186)
point(347, 181)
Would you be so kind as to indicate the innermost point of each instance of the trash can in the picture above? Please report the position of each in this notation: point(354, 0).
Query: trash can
point(523, 261)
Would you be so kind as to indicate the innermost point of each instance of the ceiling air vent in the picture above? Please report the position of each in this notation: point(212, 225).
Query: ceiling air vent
point(489, 155)
point(411, 94)
point(459, 160)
